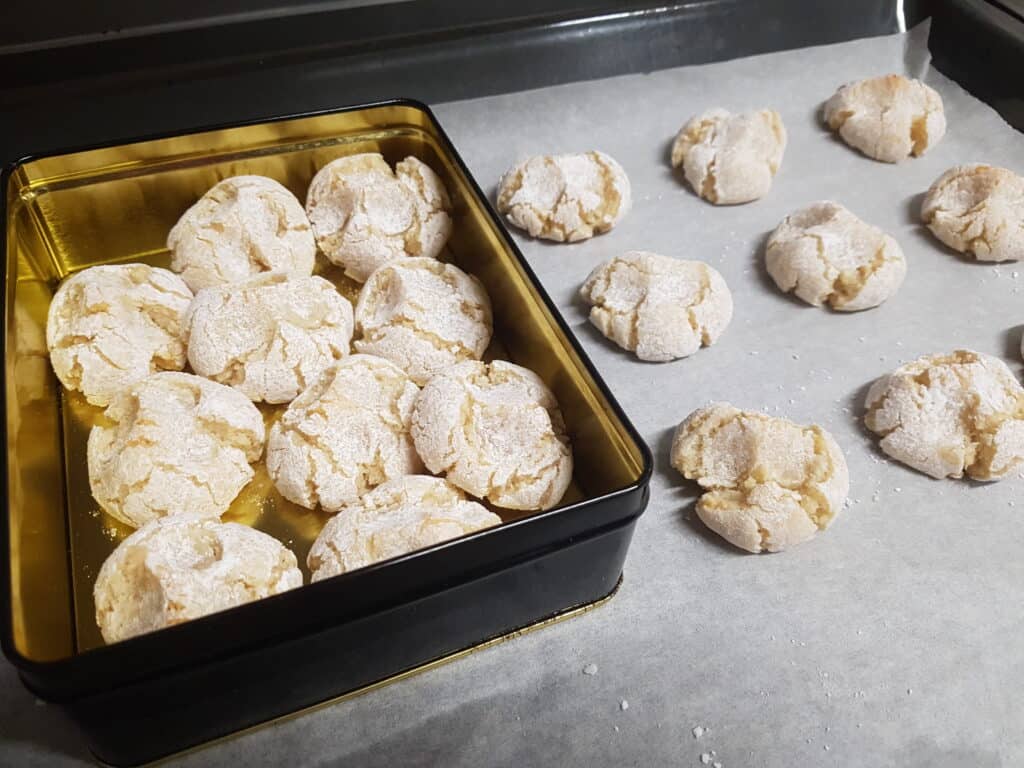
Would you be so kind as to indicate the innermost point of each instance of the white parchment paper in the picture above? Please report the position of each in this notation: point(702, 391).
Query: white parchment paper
point(896, 637)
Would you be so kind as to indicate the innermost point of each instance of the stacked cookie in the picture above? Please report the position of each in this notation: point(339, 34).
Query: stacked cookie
point(363, 402)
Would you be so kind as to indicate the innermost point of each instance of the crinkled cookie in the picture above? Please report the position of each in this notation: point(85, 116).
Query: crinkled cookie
point(396, 517)
point(365, 215)
point(180, 568)
point(728, 158)
point(424, 316)
point(769, 484)
point(978, 209)
point(173, 443)
point(112, 326)
point(268, 337)
point(826, 255)
point(345, 434)
point(495, 430)
point(946, 415)
point(565, 198)
point(888, 118)
point(658, 307)
point(243, 226)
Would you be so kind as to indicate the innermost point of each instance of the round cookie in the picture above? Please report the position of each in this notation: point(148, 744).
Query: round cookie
point(173, 443)
point(365, 215)
point(268, 337)
point(978, 209)
point(424, 316)
point(565, 198)
point(344, 435)
point(111, 326)
point(495, 430)
point(769, 484)
point(888, 118)
point(730, 159)
point(180, 568)
point(243, 226)
point(397, 517)
point(947, 415)
point(826, 255)
point(658, 307)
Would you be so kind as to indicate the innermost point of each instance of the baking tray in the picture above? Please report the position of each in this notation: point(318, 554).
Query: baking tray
point(169, 690)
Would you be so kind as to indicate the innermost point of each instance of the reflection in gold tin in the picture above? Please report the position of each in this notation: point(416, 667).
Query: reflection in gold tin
point(116, 205)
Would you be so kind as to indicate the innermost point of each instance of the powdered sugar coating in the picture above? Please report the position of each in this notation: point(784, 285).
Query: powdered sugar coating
point(728, 158)
point(424, 316)
point(396, 517)
point(658, 307)
point(769, 484)
point(173, 443)
point(242, 226)
point(888, 118)
point(268, 337)
point(978, 209)
point(111, 326)
point(365, 215)
point(180, 568)
point(565, 198)
point(825, 254)
point(345, 434)
point(495, 430)
point(947, 415)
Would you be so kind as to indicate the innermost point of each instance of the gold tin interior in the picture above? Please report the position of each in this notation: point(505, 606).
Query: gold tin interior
point(117, 204)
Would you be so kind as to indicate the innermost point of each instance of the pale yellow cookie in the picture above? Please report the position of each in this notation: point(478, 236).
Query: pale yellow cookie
point(658, 307)
point(565, 198)
point(494, 430)
point(345, 434)
point(180, 568)
point(947, 415)
point(243, 226)
point(769, 484)
point(111, 326)
point(268, 337)
point(395, 518)
point(730, 159)
point(888, 118)
point(424, 316)
point(173, 443)
point(365, 215)
point(979, 210)
point(826, 255)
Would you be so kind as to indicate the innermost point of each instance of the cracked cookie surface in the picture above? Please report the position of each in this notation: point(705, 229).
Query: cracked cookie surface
point(268, 337)
point(826, 255)
point(658, 307)
point(173, 443)
point(111, 326)
point(730, 159)
point(888, 118)
point(396, 517)
point(424, 316)
point(950, 414)
point(345, 434)
point(496, 431)
point(180, 568)
point(565, 198)
point(978, 209)
point(365, 215)
point(768, 483)
point(243, 226)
